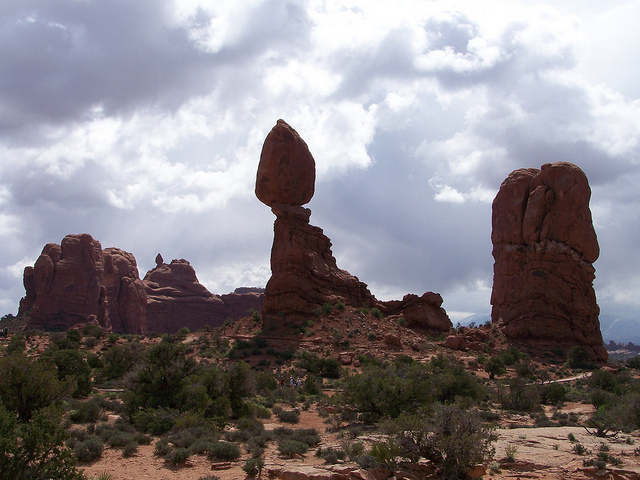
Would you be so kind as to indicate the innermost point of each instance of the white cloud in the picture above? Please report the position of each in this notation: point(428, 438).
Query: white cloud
point(142, 123)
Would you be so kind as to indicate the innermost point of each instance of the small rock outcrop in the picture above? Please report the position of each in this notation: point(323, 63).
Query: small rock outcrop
point(544, 246)
point(305, 274)
point(77, 282)
point(304, 271)
point(175, 299)
point(422, 312)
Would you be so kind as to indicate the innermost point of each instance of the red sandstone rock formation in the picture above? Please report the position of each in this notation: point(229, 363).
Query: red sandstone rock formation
point(544, 245)
point(174, 292)
point(76, 282)
point(305, 274)
point(425, 311)
point(175, 299)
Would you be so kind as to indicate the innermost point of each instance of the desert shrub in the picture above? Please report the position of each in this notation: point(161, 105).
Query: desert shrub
point(327, 308)
point(120, 439)
point(494, 366)
point(209, 477)
point(510, 452)
point(119, 360)
point(389, 389)
point(161, 381)
point(386, 453)
point(289, 416)
point(155, 421)
point(291, 448)
point(162, 448)
point(85, 412)
point(224, 451)
point(605, 380)
point(554, 393)
point(178, 456)
point(375, 311)
point(27, 385)
point(253, 467)
point(71, 364)
point(130, 450)
point(17, 343)
point(35, 449)
point(633, 362)
point(578, 357)
point(89, 449)
point(453, 438)
point(519, 396)
point(331, 455)
point(322, 367)
point(93, 360)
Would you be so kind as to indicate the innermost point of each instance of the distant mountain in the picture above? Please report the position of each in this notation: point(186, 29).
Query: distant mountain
point(613, 327)
point(619, 329)
point(478, 319)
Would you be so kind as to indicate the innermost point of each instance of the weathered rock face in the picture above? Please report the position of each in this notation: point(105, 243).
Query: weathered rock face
point(126, 307)
point(175, 299)
point(304, 271)
point(544, 245)
point(76, 282)
point(305, 274)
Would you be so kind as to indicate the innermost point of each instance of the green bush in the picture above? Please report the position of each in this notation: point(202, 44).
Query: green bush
point(178, 456)
point(453, 438)
point(291, 448)
point(224, 451)
point(88, 450)
point(289, 416)
point(27, 385)
point(35, 449)
point(253, 467)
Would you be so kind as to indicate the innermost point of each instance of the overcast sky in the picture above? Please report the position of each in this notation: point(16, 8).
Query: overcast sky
point(141, 123)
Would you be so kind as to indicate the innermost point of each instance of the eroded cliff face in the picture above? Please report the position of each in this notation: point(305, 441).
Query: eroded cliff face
point(305, 274)
point(544, 246)
point(175, 299)
point(77, 282)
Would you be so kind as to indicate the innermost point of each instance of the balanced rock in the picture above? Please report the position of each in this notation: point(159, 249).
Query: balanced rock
point(544, 246)
point(77, 282)
point(287, 171)
point(304, 272)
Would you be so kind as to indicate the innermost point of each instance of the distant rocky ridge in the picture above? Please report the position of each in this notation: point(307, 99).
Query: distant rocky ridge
point(78, 282)
point(544, 246)
point(305, 274)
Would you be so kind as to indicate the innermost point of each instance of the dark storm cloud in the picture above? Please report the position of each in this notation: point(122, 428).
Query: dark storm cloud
point(62, 59)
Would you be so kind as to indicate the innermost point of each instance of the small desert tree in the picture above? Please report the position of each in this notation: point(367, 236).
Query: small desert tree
point(453, 438)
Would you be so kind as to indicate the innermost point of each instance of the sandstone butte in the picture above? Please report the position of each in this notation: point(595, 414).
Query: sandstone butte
point(305, 274)
point(78, 282)
point(544, 246)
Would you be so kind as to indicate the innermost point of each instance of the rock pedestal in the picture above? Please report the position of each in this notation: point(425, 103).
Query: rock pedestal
point(544, 246)
point(304, 272)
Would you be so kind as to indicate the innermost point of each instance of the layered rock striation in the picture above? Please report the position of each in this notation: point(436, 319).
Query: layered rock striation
point(305, 274)
point(78, 282)
point(544, 246)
